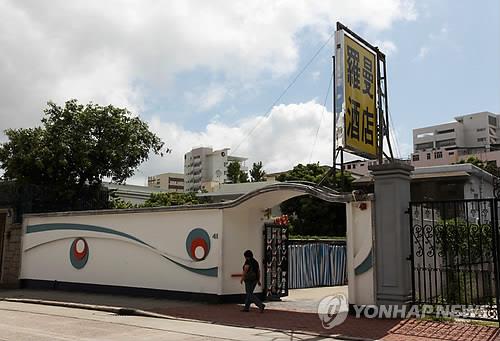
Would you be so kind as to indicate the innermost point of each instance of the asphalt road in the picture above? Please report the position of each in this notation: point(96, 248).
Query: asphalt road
point(22, 321)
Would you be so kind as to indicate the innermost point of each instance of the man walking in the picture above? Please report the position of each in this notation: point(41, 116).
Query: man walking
point(251, 277)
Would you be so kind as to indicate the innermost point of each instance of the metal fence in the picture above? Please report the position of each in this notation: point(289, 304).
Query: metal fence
point(454, 258)
point(316, 264)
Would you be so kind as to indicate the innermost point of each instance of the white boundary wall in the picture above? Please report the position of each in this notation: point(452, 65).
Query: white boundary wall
point(117, 260)
point(146, 248)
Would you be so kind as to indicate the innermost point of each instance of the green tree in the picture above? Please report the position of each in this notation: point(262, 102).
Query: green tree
point(312, 216)
point(119, 203)
point(76, 146)
point(235, 174)
point(257, 173)
point(489, 166)
point(243, 177)
point(313, 172)
point(171, 199)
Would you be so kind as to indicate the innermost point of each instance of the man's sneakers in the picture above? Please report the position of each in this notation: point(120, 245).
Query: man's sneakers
point(261, 309)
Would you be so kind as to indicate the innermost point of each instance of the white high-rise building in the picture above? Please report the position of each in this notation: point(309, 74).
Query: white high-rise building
point(206, 169)
point(475, 134)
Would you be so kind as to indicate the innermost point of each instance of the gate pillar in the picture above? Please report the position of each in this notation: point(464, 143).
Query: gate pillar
point(392, 233)
point(360, 270)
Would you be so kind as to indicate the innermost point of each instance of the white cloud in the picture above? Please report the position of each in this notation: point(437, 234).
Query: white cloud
point(112, 51)
point(440, 35)
point(433, 40)
point(387, 46)
point(315, 75)
point(422, 53)
point(206, 97)
point(282, 140)
point(213, 96)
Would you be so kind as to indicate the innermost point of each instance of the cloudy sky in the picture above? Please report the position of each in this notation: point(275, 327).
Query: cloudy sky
point(208, 72)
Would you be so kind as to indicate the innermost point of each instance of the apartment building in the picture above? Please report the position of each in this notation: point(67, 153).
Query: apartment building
point(206, 169)
point(474, 134)
point(169, 182)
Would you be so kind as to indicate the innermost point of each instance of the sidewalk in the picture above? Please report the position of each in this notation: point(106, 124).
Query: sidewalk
point(296, 314)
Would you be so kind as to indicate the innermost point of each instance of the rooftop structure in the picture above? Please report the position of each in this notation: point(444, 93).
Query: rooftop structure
point(205, 168)
point(169, 182)
point(476, 134)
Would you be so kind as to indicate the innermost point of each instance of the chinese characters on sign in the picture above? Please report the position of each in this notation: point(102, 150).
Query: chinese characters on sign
point(360, 125)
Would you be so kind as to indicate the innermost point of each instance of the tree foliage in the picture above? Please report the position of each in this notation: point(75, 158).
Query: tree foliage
point(488, 166)
point(119, 203)
point(310, 215)
point(171, 199)
point(257, 173)
point(313, 172)
point(77, 145)
point(235, 174)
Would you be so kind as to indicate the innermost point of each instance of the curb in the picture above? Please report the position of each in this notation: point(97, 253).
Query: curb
point(108, 309)
point(124, 311)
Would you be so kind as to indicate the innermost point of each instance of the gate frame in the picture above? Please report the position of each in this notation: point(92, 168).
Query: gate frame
point(280, 276)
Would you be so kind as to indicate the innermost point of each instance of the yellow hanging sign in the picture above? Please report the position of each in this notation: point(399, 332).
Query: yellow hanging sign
point(360, 89)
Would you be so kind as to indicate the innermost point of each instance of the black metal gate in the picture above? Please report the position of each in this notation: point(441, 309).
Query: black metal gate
point(275, 261)
point(454, 256)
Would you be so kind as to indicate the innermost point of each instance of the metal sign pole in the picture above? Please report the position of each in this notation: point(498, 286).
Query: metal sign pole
point(341, 168)
point(386, 106)
point(380, 114)
point(334, 124)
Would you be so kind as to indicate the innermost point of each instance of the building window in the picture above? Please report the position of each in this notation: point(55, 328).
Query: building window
point(480, 129)
point(362, 165)
point(444, 143)
point(416, 157)
point(424, 146)
point(447, 131)
point(348, 166)
point(438, 155)
point(451, 153)
point(353, 166)
point(481, 139)
point(428, 156)
point(492, 121)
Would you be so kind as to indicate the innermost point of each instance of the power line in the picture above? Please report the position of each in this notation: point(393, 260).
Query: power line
point(321, 118)
point(268, 112)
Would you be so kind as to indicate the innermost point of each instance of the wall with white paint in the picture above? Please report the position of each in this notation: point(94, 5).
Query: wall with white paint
point(243, 229)
point(360, 271)
point(146, 250)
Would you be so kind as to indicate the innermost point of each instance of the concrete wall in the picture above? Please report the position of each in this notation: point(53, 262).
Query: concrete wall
point(360, 274)
point(243, 229)
point(150, 248)
point(146, 250)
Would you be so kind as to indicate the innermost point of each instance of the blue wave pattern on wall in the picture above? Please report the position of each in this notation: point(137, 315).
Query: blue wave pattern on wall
point(211, 272)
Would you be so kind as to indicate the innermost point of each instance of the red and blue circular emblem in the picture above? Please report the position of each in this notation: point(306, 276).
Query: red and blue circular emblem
point(79, 253)
point(198, 244)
